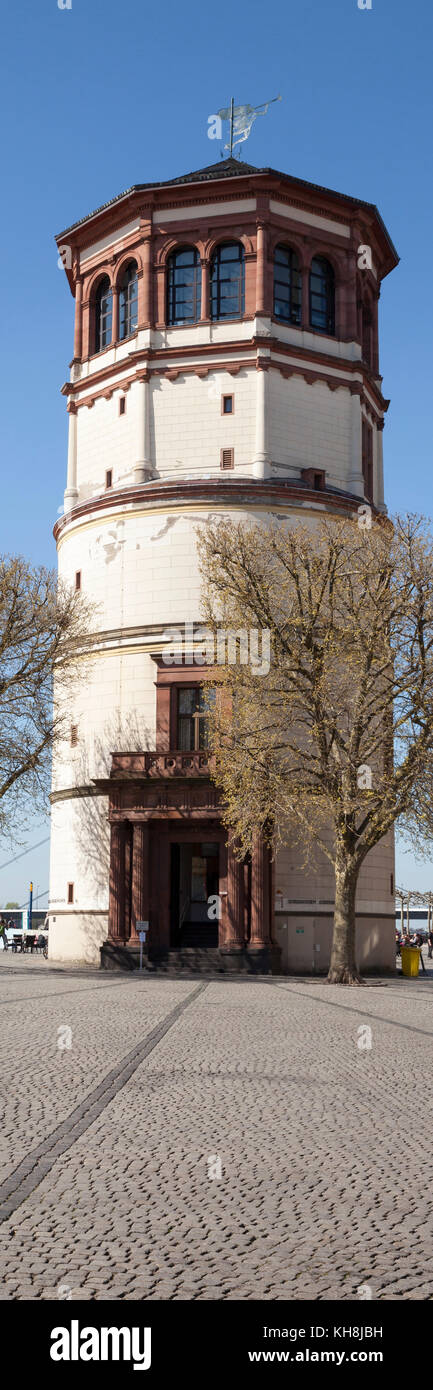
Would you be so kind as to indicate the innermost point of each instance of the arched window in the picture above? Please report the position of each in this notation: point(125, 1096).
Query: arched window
point(128, 301)
point(183, 286)
point(322, 295)
point(287, 285)
point(103, 314)
point(227, 281)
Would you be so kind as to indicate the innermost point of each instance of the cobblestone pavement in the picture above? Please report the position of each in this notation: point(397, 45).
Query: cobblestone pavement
point(223, 1139)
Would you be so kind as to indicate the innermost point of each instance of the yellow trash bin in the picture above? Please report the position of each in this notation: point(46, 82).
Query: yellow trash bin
point(410, 960)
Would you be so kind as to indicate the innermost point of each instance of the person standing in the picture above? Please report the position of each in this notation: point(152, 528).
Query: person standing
point(419, 943)
point(430, 943)
point(3, 934)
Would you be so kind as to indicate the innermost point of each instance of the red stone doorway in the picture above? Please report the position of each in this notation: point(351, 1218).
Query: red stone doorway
point(195, 900)
point(164, 814)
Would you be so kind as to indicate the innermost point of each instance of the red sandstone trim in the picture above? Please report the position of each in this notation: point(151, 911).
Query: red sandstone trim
point(248, 491)
point(310, 375)
point(281, 187)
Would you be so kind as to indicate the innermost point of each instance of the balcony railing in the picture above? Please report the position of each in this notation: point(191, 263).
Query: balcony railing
point(169, 764)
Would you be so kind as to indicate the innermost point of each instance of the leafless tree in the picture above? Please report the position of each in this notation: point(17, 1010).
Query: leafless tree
point(44, 628)
point(335, 743)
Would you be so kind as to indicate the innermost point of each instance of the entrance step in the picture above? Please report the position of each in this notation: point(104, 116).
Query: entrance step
point(193, 960)
point(201, 937)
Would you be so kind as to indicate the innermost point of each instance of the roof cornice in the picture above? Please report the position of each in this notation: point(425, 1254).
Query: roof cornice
point(215, 179)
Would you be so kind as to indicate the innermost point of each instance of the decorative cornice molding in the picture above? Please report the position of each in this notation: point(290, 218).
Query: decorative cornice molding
point(314, 361)
point(242, 491)
point(311, 375)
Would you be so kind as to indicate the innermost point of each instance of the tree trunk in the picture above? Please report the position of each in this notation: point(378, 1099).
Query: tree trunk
point(343, 969)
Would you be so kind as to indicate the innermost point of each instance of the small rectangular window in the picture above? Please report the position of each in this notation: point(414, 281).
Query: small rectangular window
point(74, 735)
point(109, 478)
point(392, 885)
point(78, 579)
point(318, 482)
point(70, 892)
point(227, 405)
point(227, 458)
point(122, 405)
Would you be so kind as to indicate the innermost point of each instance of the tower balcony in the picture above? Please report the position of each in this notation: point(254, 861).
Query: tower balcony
point(171, 763)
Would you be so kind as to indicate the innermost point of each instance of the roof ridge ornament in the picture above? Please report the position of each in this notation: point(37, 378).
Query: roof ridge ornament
point(241, 120)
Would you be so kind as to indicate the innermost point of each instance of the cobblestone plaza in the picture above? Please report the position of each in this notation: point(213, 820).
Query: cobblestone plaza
point(175, 1138)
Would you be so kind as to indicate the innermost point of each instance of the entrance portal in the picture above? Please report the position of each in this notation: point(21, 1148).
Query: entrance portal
point(194, 879)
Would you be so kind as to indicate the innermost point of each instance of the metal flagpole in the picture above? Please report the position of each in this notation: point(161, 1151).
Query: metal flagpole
point(232, 105)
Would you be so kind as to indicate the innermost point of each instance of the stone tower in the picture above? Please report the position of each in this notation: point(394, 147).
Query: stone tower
point(225, 363)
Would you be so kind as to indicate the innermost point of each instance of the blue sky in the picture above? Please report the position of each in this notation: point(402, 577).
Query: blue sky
point(101, 96)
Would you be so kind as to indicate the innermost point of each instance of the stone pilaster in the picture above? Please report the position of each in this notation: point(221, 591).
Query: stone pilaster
point(261, 467)
point(71, 493)
point(260, 270)
point(235, 938)
point(143, 466)
point(260, 894)
point(140, 878)
point(116, 915)
point(146, 316)
point(78, 335)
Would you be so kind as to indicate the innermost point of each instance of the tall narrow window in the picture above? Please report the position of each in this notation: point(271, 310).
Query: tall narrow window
point(322, 295)
point(128, 301)
point(70, 892)
point(191, 717)
point(367, 459)
point(287, 285)
point(367, 337)
point(78, 579)
point(183, 286)
point(227, 281)
point(103, 314)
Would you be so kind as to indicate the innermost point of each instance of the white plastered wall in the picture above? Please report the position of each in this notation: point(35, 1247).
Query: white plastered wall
point(310, 427)
point(79, 855)
point(188, 430)
point(304, 905)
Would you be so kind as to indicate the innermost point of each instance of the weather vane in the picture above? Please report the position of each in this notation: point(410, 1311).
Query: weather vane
point(241, 120)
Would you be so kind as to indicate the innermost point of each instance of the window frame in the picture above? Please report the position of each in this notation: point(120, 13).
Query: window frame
point(197, 718)
point(173, 319)
point(293, 268)
point(368, 459)
point(367, 335)
point(103, 317)
point(128, 306)
point(328, 296)
point(216, 281)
